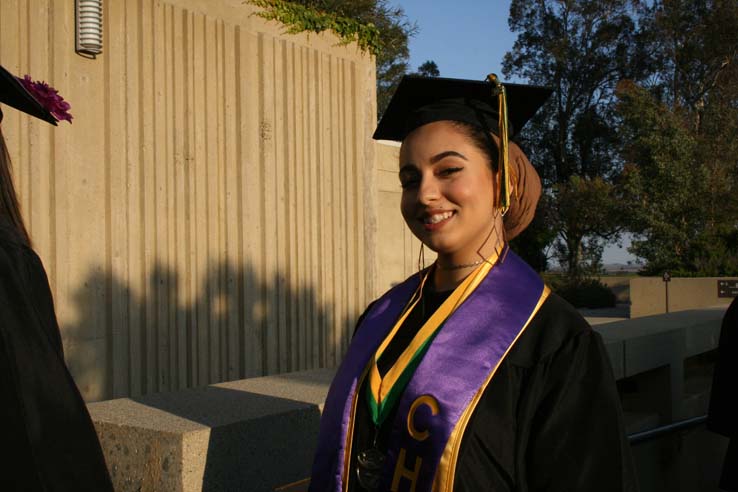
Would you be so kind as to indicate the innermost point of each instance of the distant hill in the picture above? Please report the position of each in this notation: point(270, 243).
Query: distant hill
point(609, 268)
point(614, 268)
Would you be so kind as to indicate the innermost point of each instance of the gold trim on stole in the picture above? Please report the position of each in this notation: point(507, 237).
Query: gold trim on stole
point(472, 282)
point(444, 479)
point(447, 308)
point(350, 429)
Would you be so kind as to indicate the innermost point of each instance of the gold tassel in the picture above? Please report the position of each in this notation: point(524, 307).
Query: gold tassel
point(503, 176)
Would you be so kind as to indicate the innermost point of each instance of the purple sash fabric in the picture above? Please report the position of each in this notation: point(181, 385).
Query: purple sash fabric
point(327, 474)
point(465, 351)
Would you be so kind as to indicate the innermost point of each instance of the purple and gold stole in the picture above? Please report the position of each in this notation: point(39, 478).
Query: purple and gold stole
point(445, 388)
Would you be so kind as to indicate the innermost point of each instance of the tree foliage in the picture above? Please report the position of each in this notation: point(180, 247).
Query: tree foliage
point(428, 69)
point(587, 215)
point(680, 138)
point(580, 48)
point(299, 18)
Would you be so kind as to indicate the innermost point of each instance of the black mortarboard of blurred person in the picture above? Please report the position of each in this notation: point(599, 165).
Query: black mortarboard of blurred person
point(497, 109)
point(34, 98)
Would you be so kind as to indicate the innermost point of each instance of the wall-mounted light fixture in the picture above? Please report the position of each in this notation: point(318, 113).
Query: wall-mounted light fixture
point(89, 17)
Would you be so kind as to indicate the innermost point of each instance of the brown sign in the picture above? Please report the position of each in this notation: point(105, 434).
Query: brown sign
point(727, 288)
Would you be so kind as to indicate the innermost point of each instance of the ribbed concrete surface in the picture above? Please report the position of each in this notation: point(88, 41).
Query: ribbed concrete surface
point(210, 214)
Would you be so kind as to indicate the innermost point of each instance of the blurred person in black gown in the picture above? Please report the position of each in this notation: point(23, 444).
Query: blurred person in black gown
point(723, 400)
point(49, 442)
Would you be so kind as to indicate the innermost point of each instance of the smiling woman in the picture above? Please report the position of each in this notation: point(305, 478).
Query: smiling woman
point(470, 375)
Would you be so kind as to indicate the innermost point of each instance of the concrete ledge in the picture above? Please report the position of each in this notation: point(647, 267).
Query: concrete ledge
point(254, 434)
point(656, 348)
point(653, 341)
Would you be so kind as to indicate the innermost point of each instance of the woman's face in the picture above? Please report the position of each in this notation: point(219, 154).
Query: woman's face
point(447, 190)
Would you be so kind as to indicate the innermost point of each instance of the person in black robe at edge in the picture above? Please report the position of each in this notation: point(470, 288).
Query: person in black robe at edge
point(723, 412)
point(547, 415)
point(49, 442)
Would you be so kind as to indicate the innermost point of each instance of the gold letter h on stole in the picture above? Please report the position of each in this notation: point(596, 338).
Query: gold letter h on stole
point(400, 470)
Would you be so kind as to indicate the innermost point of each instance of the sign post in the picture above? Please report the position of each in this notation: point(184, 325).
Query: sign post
point(667, 278)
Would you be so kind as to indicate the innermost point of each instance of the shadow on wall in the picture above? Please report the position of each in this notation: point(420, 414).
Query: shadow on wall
point(236, 326)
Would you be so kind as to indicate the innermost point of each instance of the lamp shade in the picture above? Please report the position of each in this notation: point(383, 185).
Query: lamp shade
point(89, 17)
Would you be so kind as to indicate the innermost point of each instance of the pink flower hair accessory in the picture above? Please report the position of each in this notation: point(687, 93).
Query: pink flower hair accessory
point(48, 97)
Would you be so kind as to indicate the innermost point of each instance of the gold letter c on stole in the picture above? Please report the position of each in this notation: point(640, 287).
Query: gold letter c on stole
point(431, 403)
point(400, 470)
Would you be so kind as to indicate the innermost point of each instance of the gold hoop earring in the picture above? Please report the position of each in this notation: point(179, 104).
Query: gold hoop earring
point(504, 233)
point(504, 246)
point(501, 234)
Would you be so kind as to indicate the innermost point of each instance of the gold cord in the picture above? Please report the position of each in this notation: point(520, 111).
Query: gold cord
point(503, 176)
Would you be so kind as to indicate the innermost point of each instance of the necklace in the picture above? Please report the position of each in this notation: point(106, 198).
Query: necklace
point(460, 265)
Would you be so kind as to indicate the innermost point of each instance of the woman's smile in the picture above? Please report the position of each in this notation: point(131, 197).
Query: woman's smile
point(433, 220)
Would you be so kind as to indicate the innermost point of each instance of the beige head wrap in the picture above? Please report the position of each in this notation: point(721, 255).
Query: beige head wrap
point(526, 190)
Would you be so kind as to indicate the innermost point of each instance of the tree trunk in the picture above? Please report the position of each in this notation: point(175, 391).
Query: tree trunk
point(574, 256)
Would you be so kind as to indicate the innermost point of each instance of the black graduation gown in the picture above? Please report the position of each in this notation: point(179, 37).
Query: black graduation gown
point(550, 420)
point(721, 417)
point(48, 439)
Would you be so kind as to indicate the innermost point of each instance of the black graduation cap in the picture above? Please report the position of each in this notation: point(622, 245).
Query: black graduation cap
point(14, 94)
point(421, 100)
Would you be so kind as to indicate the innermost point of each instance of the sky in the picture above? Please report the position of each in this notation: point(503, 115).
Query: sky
point(468, 40)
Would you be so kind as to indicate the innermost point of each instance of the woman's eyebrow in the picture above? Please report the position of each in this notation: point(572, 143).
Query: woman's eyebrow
point(448, 153)
point(433, 160)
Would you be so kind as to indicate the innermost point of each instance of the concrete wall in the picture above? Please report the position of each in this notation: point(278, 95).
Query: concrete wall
point(648, 294)
point(210, 213)
point(397, 248)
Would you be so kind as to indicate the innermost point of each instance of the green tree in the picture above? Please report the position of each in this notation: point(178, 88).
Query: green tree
point(587, 216)
point(580, 48)
point(428, 69)
point(680, 137)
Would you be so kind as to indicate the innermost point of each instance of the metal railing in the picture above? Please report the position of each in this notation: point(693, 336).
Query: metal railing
point(651, 434)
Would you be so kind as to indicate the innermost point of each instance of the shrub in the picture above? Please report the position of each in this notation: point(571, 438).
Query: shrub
point(585, 293)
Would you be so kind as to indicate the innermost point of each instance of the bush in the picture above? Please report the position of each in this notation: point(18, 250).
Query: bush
point(585, 293)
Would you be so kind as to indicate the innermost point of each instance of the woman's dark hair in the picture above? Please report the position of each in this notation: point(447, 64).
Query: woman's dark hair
point(9, 207)
point(482, 140)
